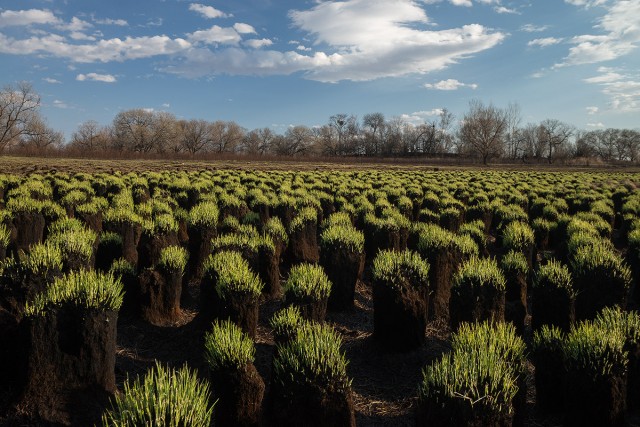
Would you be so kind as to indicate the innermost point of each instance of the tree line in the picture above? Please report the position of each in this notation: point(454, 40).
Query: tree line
point(485, 132)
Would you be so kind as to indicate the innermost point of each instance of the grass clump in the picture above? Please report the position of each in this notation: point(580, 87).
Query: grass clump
point(232, 274)
point(228, 347)
point(203, 215)
point(477, 382)
point(304, 216)
point(82, 289)
point(517, 236)
point(554, 275)
point(342, 236)
point(164, 397)
point(276, 230)
point(173, 258)
point(312, 356)
point(463, 386)
point(602, 278)
point(596, 351)
point(479, 272)
point(396, 269)
point(514, 263)
point(42, 258)
point(626, 323)
point(500, 339)
point(121, 267)
point(308, 281)
point(285, 323)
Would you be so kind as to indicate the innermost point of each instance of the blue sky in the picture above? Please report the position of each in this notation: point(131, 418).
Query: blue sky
point(267, 63)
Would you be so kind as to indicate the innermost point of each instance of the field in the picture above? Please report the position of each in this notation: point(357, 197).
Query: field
point(317, 294)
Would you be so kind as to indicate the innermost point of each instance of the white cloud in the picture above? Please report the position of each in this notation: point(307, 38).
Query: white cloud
point(75, 25)
point(166, 105)
point(502, 9)
point(60, 104)
point(242, 28)
point(105, 78)
point(352, 40)
point(592, 110)
point(619, 33)
point(78, 35)
point(108, 50)
point(108, 21)
point(544, 42)
point(449, 84)
point(466, 3)
point(257, 43)
point(419, 117)
point(622, 90)
point(207, 11)
point(216, 35)
point(51, 80)
point(27, 17)
point(599, 125)
point(384, 38)
point(530, 28)
point(586, 3)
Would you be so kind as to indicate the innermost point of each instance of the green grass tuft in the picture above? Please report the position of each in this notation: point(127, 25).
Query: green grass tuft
point(227, 347)
point(82, 289)
point(167, 398)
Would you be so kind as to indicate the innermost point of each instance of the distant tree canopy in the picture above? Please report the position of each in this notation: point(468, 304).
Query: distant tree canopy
point(485, 132)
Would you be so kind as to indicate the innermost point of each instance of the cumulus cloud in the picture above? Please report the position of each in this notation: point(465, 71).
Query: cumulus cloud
point(105, 78)
point(544, 42)
point(618, 33)
point(243, 28)
point(108, 50)
point(598, 125)
point(257, 43)
point(76, 24)
point(449, 84)
point(216, 35)
point(384, 38)
point(347, 40)
point(27, 17)
point(209, 12)
point(419, 117)
point(622, 90)
point(51, 80)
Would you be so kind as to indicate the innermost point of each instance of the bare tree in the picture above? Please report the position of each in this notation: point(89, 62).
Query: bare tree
point(297, 140)
point(19, 106)
point(226, 136)
point(629, 145)
point(483, 130)
point(553, 134)
point(325, 140)
point(90, 136)
point(374, 129)
point(392, 143)
point(444, 136)
point(195, 135)
point(39, 136)
point(512, 138)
